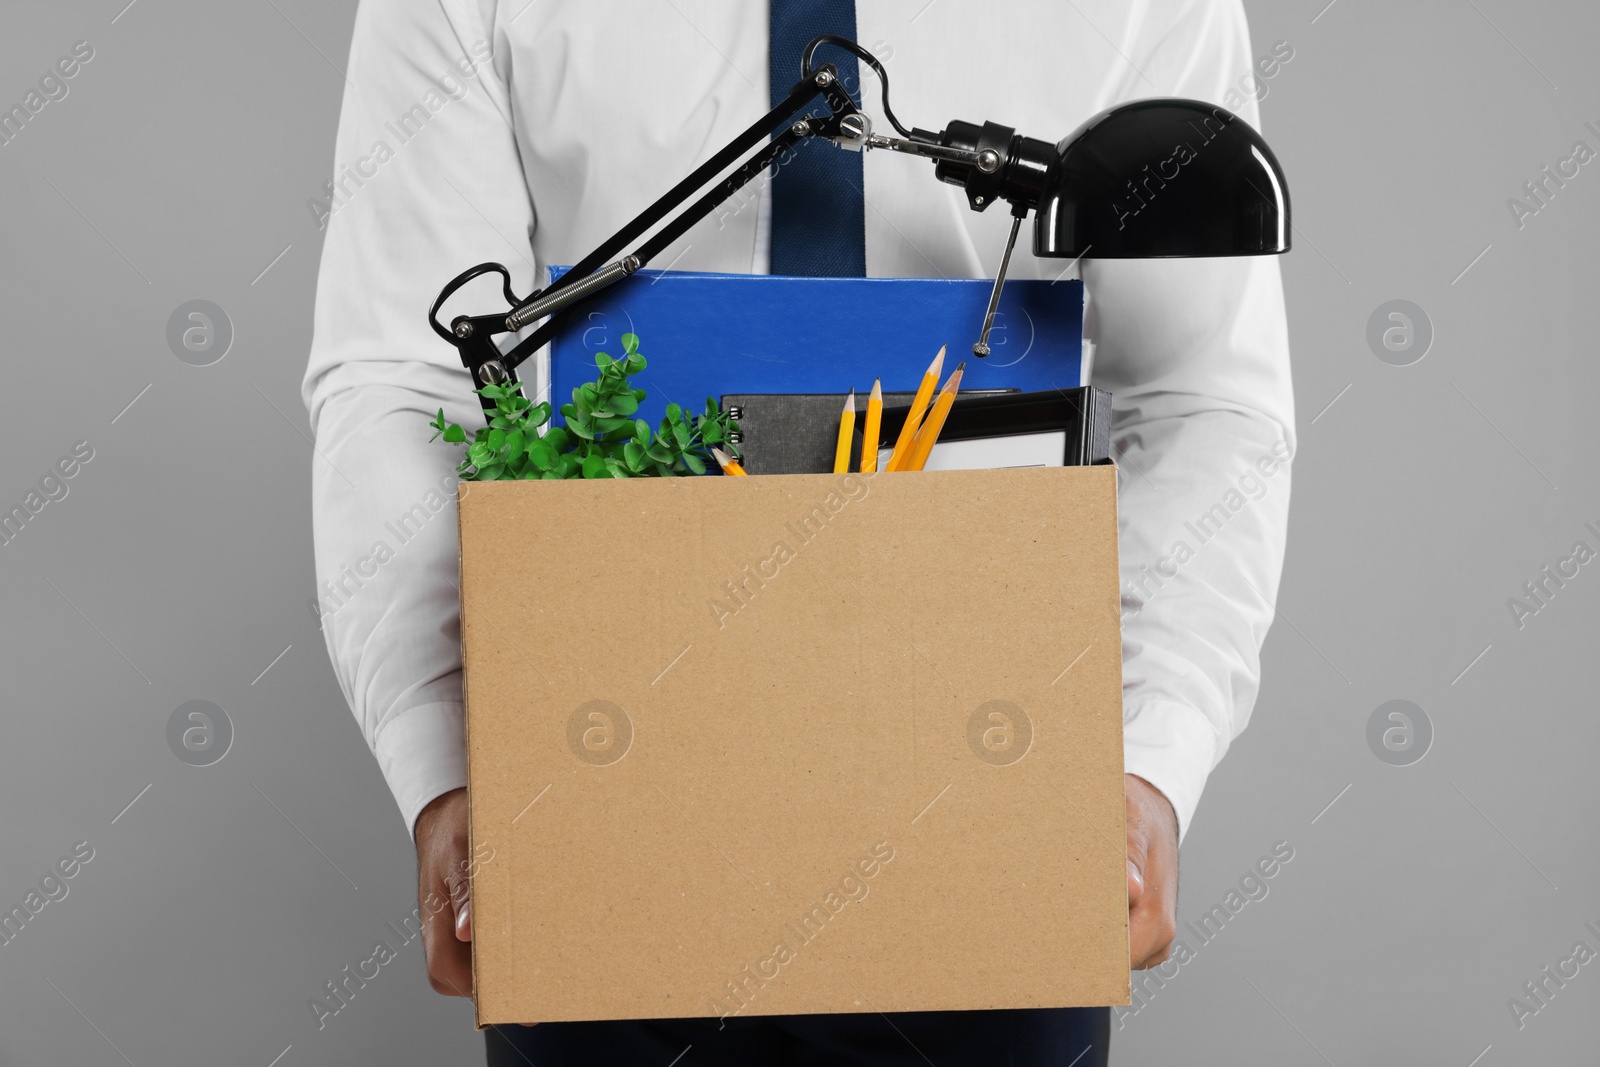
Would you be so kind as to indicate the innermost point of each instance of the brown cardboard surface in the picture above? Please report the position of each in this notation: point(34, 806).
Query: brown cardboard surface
point(799, 743)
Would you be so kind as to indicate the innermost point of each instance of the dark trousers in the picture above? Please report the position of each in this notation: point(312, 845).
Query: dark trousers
point(1058, 1037)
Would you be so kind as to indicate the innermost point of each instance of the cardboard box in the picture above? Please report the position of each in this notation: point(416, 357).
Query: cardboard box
point(793, 744)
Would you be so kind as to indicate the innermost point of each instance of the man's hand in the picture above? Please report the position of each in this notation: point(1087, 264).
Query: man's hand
point(444, 893)
point(1152, 873)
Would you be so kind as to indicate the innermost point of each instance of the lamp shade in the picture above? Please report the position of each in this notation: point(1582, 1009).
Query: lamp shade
point(1162, 178)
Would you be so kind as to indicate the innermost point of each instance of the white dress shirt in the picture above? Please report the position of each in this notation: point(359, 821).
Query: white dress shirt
point(526, 131)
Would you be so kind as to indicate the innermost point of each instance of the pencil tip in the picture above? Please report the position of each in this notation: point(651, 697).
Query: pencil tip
point(938, 363)
point(877, 389)
point(722, 457)
point(850, 403)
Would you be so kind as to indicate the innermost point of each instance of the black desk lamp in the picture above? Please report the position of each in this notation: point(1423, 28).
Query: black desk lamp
point(1150, 179)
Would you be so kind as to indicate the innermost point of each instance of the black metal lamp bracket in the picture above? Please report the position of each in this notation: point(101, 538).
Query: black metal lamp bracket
point(560, 302)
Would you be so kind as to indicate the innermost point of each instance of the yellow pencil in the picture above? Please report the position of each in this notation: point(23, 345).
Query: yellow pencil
point(847, 428)
point(869, 433)
point(727, 463)
point(923, 445)
point(919, 405)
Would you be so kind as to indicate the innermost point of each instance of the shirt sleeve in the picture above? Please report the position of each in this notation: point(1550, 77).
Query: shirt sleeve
point(426, 182)
point(1196, 354)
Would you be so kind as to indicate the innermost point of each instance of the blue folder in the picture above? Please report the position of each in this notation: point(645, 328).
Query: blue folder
point(706, 335)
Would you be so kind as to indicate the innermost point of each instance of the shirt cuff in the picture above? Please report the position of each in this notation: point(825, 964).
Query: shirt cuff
point(423, 755)
point(1172, 747)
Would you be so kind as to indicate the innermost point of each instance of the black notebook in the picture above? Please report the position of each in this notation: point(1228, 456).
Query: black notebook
point(797, 433)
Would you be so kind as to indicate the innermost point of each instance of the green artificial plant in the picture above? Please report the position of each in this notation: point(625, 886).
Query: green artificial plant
point(601, 438)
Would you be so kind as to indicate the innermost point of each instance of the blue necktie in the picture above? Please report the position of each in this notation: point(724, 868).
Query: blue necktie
point(818, 216)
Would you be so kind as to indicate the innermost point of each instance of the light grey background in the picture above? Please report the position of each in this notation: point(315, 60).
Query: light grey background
point(179, 565)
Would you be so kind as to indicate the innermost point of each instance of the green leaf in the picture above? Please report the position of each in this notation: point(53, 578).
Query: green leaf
point(602, 435)
point(542, 453)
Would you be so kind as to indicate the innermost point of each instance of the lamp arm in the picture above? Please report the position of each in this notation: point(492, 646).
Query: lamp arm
point(565, 299)
point(473, 335)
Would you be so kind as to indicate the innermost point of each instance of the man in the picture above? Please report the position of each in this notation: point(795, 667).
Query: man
point(528, 130)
